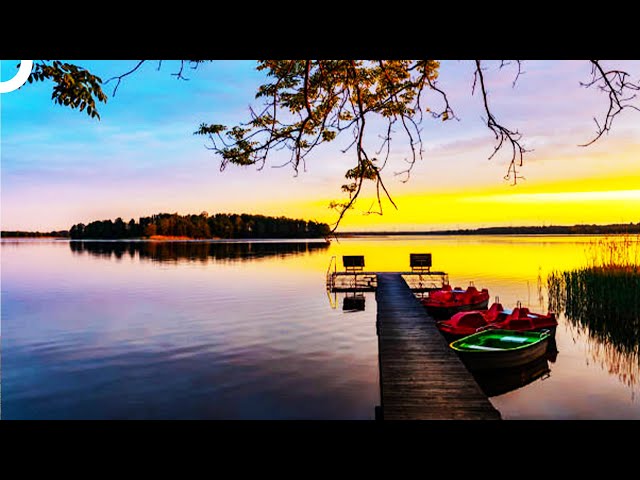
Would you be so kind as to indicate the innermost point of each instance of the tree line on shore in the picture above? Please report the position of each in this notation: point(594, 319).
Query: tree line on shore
point(259, 226)
point(611, 229)
point(24, 234)
point(202, 226)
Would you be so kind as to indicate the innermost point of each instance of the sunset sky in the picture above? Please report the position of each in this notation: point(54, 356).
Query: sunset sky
point(60, 167)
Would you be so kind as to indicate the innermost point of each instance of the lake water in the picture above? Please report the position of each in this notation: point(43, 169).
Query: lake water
point(237, 330)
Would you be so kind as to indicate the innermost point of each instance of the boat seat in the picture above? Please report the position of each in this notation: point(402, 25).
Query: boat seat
point(473, 320)
point(519, 324)
point(494, 312)
point(515, 313)
point(481, 347)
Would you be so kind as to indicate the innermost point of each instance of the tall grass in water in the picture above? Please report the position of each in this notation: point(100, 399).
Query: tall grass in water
point(615, 253)
point(603, 298)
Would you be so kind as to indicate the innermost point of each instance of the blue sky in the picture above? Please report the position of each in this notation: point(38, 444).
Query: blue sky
point(60, 167)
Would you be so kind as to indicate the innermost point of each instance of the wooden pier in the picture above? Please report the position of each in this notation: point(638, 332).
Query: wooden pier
point(421, 378)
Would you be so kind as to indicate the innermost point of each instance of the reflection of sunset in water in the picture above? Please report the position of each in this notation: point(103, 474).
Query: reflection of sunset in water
point(490, 255)
point(257, 320)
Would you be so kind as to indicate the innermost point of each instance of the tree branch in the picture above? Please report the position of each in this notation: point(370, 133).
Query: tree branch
point(615, 83)
point(126, 74)
point(502, 134)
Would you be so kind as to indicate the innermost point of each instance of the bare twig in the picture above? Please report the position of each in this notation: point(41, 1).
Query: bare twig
point(616, 84)
point(501, 133)
point(504, 63)
point(126, 74)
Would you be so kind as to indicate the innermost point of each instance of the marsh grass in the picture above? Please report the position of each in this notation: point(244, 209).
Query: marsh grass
point(603, 298)
point(616, 253)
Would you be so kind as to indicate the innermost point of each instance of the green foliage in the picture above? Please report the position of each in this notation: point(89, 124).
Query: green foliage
point(220, 225)
point(74, 86)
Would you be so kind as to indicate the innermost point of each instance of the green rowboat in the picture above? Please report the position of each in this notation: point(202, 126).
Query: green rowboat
point(496, 348)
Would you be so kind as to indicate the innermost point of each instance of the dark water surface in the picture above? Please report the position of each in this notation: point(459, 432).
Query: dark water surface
point(206, 330)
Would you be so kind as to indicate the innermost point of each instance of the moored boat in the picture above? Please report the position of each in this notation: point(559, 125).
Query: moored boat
point(466, 323)
point(497, 348)
point(520, 318)
point(445, 302)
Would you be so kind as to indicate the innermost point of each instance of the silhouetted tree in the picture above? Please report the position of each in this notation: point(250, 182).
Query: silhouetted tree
point(221, 225)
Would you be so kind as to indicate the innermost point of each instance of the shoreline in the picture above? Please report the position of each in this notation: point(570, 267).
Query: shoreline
point(551, 230)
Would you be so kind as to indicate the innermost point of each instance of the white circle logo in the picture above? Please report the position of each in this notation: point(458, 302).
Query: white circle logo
point(20, 78)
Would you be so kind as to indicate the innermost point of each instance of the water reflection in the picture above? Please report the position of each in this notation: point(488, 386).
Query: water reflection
point(245, 337)
point(194, 251)
point(504, 380)
point(354, 302)
point(605, 304)
point(246, 332)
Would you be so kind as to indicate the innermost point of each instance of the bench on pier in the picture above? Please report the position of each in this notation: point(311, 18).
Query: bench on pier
point(353, 263)
point(420, 262)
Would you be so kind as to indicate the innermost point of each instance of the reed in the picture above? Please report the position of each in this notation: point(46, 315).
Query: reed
point(614, 252)
point(604, 296)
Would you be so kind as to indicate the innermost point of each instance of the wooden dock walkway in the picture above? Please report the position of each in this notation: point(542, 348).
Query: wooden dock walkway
point(421, 378)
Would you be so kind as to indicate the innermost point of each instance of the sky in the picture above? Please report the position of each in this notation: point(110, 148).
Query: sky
point(60, 167)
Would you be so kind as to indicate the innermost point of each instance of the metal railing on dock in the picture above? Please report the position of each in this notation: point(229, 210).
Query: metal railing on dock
point(331, 274)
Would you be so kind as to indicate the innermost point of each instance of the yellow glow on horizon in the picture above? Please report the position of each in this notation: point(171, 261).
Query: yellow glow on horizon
point(559, 197)
point(474, 209)
point(604, 188)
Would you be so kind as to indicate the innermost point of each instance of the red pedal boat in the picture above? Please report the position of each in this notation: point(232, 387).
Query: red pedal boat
point(520, 318)
point(462, 324)
point(445, 302)
point(523, 319)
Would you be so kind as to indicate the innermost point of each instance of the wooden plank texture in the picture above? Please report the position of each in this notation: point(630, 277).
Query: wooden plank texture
point(421, 378)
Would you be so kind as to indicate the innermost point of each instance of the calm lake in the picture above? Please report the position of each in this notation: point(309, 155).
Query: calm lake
point(247, 330)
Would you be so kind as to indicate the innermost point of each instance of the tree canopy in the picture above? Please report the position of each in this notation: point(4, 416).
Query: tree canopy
point(220, 225)
point(308, 103)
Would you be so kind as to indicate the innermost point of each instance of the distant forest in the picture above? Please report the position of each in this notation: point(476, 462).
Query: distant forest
point(22, 234)
point(258, 226)
point(555, 230)
point(611, 229)
point(203, 226)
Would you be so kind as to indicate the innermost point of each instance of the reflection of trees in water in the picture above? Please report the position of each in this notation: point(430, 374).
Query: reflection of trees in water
point(194, 251)
point(626, 366)
point(604, 303)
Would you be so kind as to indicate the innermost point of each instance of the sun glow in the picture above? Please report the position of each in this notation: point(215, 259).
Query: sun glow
point(477, 209)
point(560, 197)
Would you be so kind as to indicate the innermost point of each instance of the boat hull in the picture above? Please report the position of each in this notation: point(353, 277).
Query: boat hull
point(477, 355)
